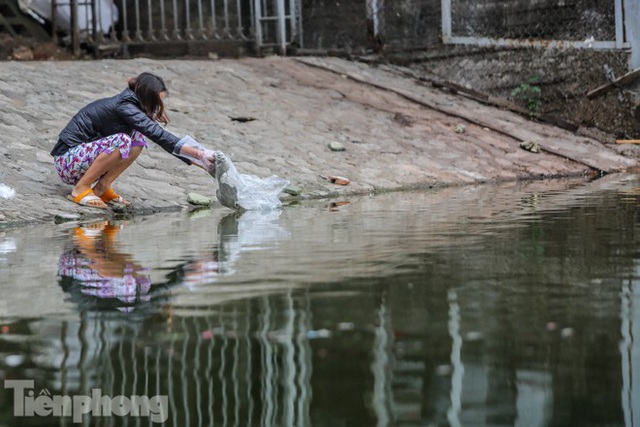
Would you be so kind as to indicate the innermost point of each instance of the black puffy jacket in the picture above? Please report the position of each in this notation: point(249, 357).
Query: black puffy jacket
point(108, 116)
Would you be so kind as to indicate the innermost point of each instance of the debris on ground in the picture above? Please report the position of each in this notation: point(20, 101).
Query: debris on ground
point(530, 146)
point(403, 119)
point(30, 49)
point(292, 190)
point(336, 146)
point(198, 199)
point(340, 180)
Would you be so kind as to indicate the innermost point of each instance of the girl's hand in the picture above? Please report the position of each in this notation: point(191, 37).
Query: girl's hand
point(207, 160)
point(197, 154)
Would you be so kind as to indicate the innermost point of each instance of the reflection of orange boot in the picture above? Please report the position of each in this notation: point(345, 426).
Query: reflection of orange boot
point(110, 232)
point(90, 231)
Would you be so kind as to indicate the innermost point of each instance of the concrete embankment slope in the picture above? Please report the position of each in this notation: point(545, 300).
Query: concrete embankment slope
point(278, 116)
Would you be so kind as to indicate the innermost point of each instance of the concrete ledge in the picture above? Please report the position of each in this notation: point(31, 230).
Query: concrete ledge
point(189, 48)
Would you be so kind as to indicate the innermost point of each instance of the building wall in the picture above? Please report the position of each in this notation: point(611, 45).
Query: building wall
point(331, 24)
point(411, 24)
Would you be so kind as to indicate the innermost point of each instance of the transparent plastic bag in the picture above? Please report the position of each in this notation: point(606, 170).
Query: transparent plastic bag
point(235, 190)
point(242, 191)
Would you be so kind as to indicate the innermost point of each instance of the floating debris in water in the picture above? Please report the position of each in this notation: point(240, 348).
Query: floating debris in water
point(14, 360)
point(320, 333)
point(337, 205)
point(473, 336)
point(7, 192)
point(566, 332)
point(443, 370)
point(346, 326)
point(7, 246)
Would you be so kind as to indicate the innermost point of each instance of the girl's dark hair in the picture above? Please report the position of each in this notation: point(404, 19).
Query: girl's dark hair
point(147, 87)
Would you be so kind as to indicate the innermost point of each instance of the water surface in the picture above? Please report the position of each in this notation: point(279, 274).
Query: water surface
point(500, 305)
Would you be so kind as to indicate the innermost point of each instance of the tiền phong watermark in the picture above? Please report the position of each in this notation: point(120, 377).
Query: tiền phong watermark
point(27, 404)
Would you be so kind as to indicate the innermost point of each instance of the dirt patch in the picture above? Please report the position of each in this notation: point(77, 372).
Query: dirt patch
point(30, 49)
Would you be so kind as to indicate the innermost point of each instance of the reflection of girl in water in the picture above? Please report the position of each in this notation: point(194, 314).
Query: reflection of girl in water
point(95, 268)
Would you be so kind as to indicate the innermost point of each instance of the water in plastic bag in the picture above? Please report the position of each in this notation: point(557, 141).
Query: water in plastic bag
point(242, 191)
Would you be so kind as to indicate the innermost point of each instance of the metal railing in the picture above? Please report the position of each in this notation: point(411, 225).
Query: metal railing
point(264, 23)
point(212, 368)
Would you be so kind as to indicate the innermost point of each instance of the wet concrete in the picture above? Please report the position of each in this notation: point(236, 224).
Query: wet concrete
point(278, 116)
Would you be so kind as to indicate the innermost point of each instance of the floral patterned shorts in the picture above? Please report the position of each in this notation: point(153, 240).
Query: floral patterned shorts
point(75, 162)
point(131, 288)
